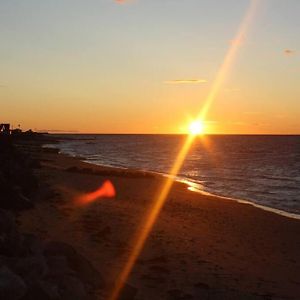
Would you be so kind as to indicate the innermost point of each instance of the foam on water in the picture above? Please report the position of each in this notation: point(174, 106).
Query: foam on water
point(194, 187)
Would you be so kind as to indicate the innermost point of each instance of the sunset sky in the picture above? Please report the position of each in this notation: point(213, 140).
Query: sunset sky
point(146, 66)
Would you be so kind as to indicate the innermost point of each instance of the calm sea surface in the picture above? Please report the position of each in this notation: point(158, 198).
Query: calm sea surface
point(261, 169)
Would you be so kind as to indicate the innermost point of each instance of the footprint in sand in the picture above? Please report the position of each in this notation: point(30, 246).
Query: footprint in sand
point(157, 269)
point(177, 294)
point(101, 236)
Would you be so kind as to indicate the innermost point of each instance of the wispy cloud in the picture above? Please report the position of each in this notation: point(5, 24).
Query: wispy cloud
point(185, 81)
point(122, 1)
point(289, 52)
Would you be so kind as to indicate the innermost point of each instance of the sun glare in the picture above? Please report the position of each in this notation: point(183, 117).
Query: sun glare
point(196, 127)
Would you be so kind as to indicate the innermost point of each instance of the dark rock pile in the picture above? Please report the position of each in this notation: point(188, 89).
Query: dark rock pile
point(29, 267)
point(17, 181)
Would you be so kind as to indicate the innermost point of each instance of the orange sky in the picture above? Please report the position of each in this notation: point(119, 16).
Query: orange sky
point(145, 67)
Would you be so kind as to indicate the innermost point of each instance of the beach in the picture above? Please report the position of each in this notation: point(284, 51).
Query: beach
point(201, 247)
point(150, 150)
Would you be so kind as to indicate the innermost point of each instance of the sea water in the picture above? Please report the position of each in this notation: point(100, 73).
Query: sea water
point(261, 169)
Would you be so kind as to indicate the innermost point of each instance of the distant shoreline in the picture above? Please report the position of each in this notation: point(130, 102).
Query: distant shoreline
point(179, 134)
point(191, 185)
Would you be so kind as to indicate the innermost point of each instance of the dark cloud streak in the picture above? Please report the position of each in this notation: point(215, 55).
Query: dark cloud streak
point(289, 52)
point(186, 81)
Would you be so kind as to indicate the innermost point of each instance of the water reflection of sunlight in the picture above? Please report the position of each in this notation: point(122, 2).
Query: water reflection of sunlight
point(146, 227)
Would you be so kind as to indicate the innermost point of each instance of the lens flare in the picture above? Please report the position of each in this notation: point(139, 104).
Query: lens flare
point(106, 190)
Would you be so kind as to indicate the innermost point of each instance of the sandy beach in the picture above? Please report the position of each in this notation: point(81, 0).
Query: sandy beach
point(202, 247)
point(150, 150)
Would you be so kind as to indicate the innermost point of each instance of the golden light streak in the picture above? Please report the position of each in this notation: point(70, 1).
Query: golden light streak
point(151, 218)
point(158, 204)
point(229, 58)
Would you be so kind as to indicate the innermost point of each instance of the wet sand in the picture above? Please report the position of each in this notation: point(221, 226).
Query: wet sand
point(202, 247)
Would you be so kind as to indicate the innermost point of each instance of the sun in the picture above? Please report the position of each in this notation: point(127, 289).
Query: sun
point(196, 127)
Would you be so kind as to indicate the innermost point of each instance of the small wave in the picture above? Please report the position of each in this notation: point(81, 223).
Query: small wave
point(260, 170)
point(280, 178)
point(292, 215)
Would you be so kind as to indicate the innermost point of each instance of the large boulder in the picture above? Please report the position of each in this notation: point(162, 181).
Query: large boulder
point(83, 268)
point(9, 235)
point(72, 288)
point(31, 268)
point(59, 267)
point(31, 245)
point(12, 196)
point(12, 287)
point(43, 290)
point(17, 180)
point(25, 179)
point(68, 288)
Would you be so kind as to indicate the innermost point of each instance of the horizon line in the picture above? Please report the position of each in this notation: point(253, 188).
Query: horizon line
point(208, 134)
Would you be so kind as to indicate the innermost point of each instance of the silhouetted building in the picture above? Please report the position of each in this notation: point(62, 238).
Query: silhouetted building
point(5, 129)
point(15, 132)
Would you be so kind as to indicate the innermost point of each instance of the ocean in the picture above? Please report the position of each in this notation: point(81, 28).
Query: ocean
point(264, 170)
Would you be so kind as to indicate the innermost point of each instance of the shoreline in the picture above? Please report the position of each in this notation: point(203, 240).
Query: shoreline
point(201, 247)
point(262, 207)
point(191, 186)
point(29, 268)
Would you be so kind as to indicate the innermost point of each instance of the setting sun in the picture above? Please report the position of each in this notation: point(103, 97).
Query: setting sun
point(196, 127)
point(166, 136)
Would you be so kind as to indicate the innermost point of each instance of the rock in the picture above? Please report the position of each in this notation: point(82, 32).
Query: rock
point(34, 164)
point(31, 245)
point(43, 290)
point(72, 288)
point(68, 288)
point(19, 201)
point(12, 198)
point(9, 235)
point(27, 181)
point(12, 287)
point(58, 267)
point(31, 269)
point(23, 177)
point(17, 181)
point(78, 263)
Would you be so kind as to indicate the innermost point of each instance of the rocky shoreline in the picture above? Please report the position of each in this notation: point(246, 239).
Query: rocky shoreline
point(202, 247)
point(30, 267)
